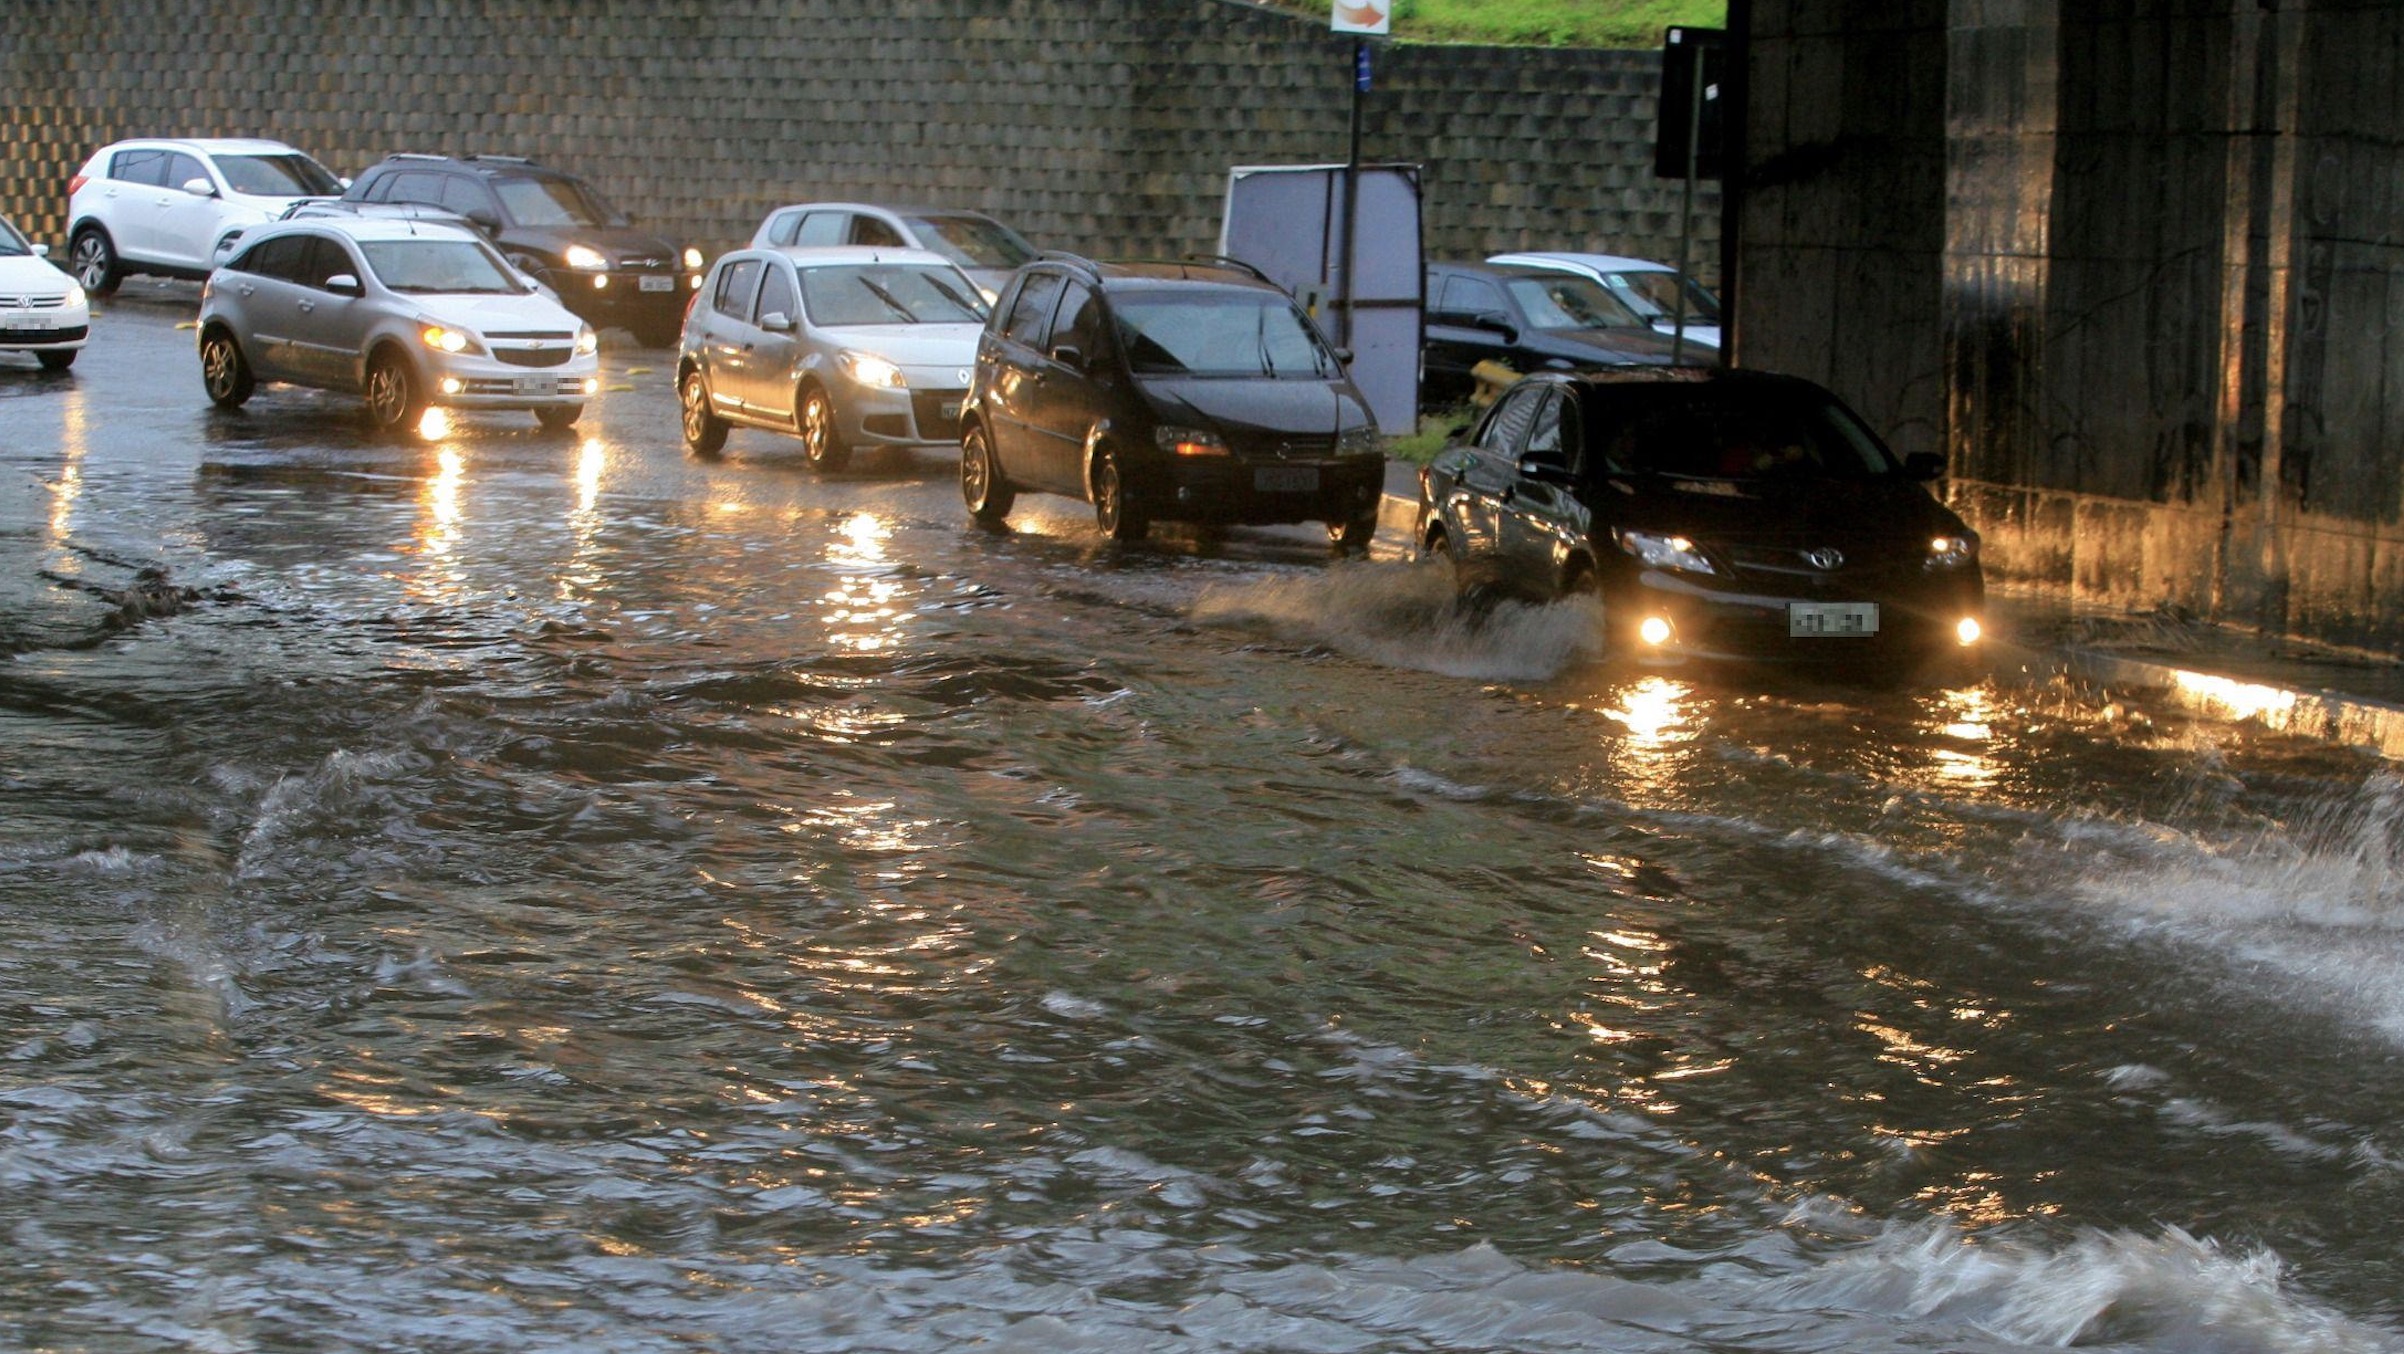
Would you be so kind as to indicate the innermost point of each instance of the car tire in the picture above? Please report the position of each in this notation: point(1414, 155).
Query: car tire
point(1351, 536)
point(983, 487)
point(92, 258)
point(1114, 511)
point(224, 372)
point(704, 431)
point(56, 359)
point(558, 418)
point(815, 417)
point(394, 402)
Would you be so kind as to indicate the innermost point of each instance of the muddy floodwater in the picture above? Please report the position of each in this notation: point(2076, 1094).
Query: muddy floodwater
point(505, 890)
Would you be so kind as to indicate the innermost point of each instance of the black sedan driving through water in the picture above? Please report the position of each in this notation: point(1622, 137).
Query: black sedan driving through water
point(1715, 514)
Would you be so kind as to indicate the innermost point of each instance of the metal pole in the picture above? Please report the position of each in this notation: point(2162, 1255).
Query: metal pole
point(1352, 186)
point(1694, 140)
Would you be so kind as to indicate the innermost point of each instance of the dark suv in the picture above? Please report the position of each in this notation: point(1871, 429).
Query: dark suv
point(1528, 319)
point(555, 228)
point(1194, 391)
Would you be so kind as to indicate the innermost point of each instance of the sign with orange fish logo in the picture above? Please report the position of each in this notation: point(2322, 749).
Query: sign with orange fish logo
point(1362, 16)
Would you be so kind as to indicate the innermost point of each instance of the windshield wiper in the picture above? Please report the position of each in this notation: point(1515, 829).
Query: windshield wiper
point(877, 289)
point(953, 295)
point(1260, 335)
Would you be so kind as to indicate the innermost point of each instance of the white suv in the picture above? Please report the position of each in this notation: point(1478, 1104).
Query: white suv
point(164, 207)
point(407, 313)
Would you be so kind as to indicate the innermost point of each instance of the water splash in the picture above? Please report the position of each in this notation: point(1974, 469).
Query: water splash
point(1411, 616)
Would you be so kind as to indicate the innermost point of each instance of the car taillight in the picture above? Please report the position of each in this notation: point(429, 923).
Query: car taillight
point(75, 185)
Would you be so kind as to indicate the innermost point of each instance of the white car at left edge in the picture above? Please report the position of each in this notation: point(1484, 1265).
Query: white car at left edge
point(42, 310)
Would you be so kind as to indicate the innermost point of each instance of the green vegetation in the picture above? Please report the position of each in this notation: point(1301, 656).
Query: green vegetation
point(1435, 430)
point(1541, 23)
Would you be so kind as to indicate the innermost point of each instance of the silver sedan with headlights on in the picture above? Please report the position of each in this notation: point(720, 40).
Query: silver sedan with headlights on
point(407, 314)
point(845, 348)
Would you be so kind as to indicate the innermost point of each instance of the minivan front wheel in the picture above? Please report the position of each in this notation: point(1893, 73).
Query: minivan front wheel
point(394, 403)
point(1113, 511)
point(989, 496)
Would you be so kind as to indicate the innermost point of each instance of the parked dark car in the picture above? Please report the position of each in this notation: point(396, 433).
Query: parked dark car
point(1190, 392)
point(1528, 319)
point(558, 230)
point(1716, 514)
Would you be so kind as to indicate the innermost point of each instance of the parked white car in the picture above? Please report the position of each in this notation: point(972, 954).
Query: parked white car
point(163, 206)
point(844, 348)
point(408, 314)
point(978, 245)
point(1650, 289)
point(42, 310)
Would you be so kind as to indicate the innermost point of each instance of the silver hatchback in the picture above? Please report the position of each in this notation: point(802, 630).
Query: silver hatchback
point(844, 348)
point(408, 314)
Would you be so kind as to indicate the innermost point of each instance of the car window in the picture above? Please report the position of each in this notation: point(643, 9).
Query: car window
point(1714, 433)
point(1506, 428)
point(776, 293)
point(182, 169)
point(553, 202)
point(325, 259)
point(286, 175)
point(415, 185)
point(1031, 311)
point(280, 258)
point(738, 287)
point(821, 228)
point(1470, 294)
point(1656, 295)
point(1244, 331)
point(463, 194)
point(1082, 323)
point(139, 166)
point(449, 267)
point(972, 241)
point(1567, 301)
point(889, 293)
point(1545, 437)
point(868, 230)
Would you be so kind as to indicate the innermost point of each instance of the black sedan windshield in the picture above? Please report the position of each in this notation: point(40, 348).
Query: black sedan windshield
point(1712, 432)
point(1250, 332)
point(444, 267)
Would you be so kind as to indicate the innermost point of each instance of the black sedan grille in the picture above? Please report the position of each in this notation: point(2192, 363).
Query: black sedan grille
point(1282, 447)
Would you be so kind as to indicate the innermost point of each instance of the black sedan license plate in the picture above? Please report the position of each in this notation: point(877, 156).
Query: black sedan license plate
point(1286, 479)
point(1820, 619)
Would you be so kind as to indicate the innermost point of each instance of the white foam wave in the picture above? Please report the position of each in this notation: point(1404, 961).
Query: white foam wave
point(1410, 616)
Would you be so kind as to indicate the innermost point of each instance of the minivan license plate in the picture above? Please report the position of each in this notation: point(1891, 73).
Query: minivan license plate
point(1817, 619)
point(1286, 479)
point(657, 284)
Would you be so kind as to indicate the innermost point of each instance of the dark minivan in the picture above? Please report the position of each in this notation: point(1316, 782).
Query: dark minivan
point(1192, 391)
point(1714, 514)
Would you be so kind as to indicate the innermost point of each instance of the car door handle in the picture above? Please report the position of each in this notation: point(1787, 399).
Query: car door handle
point(308, 307)
point(246, 289)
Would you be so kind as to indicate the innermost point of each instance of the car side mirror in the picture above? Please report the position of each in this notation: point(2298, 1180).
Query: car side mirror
point(1068, 355)
point(200, 188)
point(1344, 356)
point(1497, 322)
point(1925, 465)
point(345, 284)
point(484, 219)
point(777, 322)
point(41, 251)
point(345, 181)
point(1545, 468)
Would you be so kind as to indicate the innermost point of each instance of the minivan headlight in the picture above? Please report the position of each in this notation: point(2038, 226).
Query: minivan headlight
point(1190, 441)
point(1664, 552)
point(873, 371)
point(584, 256)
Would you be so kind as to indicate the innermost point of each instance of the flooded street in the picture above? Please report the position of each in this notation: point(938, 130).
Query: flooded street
point(507, 889)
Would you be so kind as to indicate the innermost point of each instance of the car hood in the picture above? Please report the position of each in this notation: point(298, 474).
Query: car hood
point(1630, 343)
point(486, 314)
point(24, 273)
point(909, 345)
point(618, 242)
point(1798, 513)
point(1243, 404)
